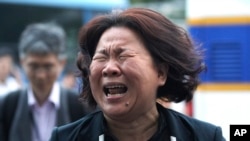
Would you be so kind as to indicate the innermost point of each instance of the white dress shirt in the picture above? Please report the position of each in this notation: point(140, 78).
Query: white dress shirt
point(44, 116)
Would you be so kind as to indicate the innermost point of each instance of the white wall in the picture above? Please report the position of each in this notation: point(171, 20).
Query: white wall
point(217, 8)
point(222, 108)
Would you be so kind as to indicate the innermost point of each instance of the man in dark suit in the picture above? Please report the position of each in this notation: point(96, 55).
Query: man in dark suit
point(30, 114)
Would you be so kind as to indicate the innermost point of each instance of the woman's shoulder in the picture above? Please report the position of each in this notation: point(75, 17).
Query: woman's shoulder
point(190, 121)
point(181, 124)
point(70, 132)
point(81, 122)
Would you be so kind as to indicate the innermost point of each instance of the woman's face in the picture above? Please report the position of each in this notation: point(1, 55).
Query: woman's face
point(123, 77)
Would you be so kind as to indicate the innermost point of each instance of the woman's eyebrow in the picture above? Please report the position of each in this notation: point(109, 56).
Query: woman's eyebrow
point(102, 51)
point(116, 51)
point(119, 50)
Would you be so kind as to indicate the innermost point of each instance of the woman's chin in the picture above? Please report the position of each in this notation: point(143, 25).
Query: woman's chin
point(115, 112)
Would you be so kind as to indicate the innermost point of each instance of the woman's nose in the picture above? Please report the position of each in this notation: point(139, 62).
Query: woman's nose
point(111, 69)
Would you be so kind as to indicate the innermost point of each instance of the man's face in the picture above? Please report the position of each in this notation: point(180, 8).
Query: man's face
point(42, 71)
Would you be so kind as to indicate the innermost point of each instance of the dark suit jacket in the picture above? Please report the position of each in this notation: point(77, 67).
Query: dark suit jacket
point(15, 121)
point(180, 127)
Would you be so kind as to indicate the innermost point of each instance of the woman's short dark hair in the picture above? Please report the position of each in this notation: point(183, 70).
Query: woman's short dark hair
point(168, 44)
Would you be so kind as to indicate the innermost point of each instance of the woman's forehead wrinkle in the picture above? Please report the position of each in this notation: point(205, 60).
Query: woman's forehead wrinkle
point(115, 46)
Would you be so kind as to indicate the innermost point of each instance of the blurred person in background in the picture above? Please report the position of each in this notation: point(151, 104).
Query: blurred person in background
point(31, 114)
point(128, 59)
point(9, 75)
point(69, 78)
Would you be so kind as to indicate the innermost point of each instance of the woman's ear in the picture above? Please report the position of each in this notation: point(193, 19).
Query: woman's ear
point(162, 74)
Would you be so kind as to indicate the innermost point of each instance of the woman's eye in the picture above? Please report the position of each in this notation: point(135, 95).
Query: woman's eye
point(122, 57)
point(99, 58)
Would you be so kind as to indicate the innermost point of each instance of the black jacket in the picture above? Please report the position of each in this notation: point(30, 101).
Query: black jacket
point(173, 125)
point(15, 119)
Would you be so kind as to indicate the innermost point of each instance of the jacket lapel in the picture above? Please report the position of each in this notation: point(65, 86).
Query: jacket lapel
point(178, 129)
point(63, 111)
point(21, 126)
point(94, 131)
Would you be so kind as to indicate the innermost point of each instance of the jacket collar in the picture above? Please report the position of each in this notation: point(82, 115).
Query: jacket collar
point(93, 129)
point(179, 130)
point(20, 128)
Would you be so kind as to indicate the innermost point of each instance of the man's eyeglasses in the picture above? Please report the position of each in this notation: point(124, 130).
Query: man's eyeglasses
point(48, 68)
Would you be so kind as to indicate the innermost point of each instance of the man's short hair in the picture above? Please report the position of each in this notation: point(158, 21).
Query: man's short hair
point(42, 39)
point(6, 51)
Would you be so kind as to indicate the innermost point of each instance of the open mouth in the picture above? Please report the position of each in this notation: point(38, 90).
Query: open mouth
point(116, 89)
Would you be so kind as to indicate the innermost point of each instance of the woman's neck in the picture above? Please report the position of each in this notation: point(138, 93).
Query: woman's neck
point(142, 128)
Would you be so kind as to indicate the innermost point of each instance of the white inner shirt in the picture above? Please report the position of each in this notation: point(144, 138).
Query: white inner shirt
point(44, 116)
